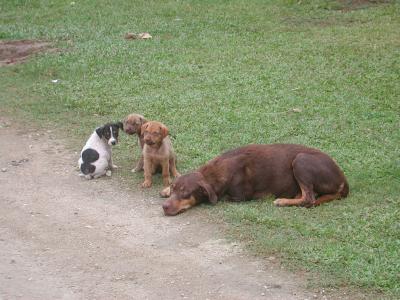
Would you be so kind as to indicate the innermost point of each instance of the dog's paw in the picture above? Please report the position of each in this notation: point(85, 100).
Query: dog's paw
point(146, 184)
point(177, 175)
point(108, 173)
point(137, 169)
point(279, 202)
point(166, 192)
point(114, 167)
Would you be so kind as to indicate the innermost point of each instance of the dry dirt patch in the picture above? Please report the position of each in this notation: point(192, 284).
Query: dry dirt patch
point(13, 52)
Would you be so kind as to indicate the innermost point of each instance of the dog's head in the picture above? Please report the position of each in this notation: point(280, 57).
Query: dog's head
point(187, 191)
point(133, 124)
point(153, 133)
point(109, 132)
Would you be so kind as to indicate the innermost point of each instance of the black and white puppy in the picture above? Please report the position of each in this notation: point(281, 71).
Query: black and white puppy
point(96, 158)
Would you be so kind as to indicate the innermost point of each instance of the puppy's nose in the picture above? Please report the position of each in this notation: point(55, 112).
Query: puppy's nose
point(113, 142)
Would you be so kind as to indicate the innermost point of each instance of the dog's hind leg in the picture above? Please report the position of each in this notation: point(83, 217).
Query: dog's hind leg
point(316, 173)
point(306, 198)
point(304, 170)
point(341, 193)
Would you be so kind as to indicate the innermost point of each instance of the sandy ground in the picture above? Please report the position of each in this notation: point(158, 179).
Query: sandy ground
point(62, 237)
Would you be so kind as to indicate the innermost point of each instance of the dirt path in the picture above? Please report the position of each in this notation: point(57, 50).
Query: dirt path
point(62, 237)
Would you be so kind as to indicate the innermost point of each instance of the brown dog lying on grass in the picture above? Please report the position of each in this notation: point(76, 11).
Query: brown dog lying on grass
point(157, 152)
point(295, 174)
point(133, 125)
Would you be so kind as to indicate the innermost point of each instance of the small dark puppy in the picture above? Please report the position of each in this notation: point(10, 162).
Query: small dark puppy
point(96, 157)
point(295, 174)
point(133, 125)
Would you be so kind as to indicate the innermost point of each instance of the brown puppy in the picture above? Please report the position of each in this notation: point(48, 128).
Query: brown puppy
point(295, 174)
point(157, 152)
point(133, 125)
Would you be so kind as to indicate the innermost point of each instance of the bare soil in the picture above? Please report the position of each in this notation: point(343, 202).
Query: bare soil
point(63, 237)
point(13, 52)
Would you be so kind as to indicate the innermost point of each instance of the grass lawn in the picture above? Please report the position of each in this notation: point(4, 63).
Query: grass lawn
point(222, 74)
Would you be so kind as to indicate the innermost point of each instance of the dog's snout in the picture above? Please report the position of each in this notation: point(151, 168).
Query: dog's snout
point(112, 141)
point(149, 142)
point(166, 206)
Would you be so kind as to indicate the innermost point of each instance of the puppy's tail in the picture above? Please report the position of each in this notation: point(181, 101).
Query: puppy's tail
point(87, 168)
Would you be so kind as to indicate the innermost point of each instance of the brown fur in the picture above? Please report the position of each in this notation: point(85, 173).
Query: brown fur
point(157, 152)
point(133, 125)
point(295, 174)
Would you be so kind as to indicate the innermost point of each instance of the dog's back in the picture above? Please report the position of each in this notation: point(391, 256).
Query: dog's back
point(262, 169)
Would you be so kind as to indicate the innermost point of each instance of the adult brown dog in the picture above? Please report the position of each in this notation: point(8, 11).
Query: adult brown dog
point(157, 152)
point(133, 125)
point(295, 174)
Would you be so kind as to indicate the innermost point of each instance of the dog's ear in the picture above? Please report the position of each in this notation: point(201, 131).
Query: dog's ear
point(142, 120)
point(144, 127)
point(120, 125)
point(99, 131)
point(207, 189)
point(164, 130)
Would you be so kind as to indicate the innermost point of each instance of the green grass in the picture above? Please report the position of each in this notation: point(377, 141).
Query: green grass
point(226, 73)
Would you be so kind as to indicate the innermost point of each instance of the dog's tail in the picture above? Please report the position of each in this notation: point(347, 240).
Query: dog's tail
point(344, 190)
point(87, 168)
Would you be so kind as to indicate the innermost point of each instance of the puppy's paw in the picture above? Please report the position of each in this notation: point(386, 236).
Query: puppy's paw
point(114, 167)
point(146, 184)
point(166, 192)
point(133, 170)
point(108, 173)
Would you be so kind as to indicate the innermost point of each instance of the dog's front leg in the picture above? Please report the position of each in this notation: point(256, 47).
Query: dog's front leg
point(139, 165)
point(165, 173)
point(147, 173)
point(111, 164)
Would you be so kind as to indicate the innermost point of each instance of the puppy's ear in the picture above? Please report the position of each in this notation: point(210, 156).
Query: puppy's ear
point(144, 127)
point(120, 125)
point(207, 189)
point(99, 131)
point(164, 130)
point(142, 120)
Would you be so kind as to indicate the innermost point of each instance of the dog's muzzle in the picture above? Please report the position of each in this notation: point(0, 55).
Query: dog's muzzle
point(112, 142)
point(149, 142)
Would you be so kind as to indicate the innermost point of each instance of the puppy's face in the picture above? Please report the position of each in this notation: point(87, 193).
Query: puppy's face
point(109, 132)
point(187, 191)
point(133, 124)
point(153, 133)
